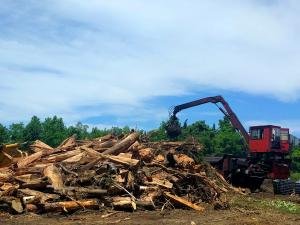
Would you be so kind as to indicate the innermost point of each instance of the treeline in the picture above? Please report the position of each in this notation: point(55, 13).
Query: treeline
point(216, 140)
point(52, 131)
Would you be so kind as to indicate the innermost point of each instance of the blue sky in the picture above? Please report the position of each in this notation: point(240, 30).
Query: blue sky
point(122, 62)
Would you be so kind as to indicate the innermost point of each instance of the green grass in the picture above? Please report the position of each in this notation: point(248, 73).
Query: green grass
point(283, 206)
point(295, 176)
point(249, 203)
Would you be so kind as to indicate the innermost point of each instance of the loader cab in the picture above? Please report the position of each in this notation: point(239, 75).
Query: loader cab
point(269, 138)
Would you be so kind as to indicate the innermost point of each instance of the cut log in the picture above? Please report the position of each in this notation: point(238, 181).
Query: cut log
point(105, 138)
point(116, 159)
point(184, 202)
point(184, 161)
point(123, 203)
point(122, 160)
point(146, 154)
point(61, 157)
point(123, 144)
point(159, 158)
point(35, 156)
point(53, 173)
point(69, 206)
point(26, 161)
point(107, 144)
point(134, 147)
point(68, 143)
point(38, 146)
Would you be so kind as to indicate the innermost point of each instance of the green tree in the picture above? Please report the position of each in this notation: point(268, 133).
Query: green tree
point(80, 130)
point(295, 156)
point(16, 132)
point(54, 131)
point(227, 140)
point(202, 133)
point(158, 134)
point(33, 130)
point(126, 130)
point(4, 135)
point(96, 132)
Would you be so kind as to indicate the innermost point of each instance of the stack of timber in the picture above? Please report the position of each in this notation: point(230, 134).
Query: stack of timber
point(110, 172)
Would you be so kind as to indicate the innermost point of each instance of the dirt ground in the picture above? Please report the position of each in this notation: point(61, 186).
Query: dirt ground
point(228, 217)
point(251, 209)
point(244, 210)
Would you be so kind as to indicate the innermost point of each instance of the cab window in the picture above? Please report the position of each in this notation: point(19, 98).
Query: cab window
point(275, 134)
point(284, 135)
point(257, 134)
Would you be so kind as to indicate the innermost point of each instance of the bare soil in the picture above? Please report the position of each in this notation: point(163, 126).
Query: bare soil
point(243, 211)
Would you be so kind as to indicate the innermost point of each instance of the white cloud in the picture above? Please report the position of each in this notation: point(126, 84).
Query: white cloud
point(57, 57)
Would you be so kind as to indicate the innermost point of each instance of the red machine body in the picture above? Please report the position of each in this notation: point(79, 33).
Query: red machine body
point(269, 138)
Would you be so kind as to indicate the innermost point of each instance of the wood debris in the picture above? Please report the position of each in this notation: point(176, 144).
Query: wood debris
point(124, 174)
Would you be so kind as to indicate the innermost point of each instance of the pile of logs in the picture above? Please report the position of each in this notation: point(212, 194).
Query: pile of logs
point(119, 173)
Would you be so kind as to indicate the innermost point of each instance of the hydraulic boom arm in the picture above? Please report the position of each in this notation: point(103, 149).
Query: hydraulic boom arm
point(226, 110)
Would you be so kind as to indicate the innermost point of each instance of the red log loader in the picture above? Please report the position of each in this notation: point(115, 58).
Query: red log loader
point(267, 147)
